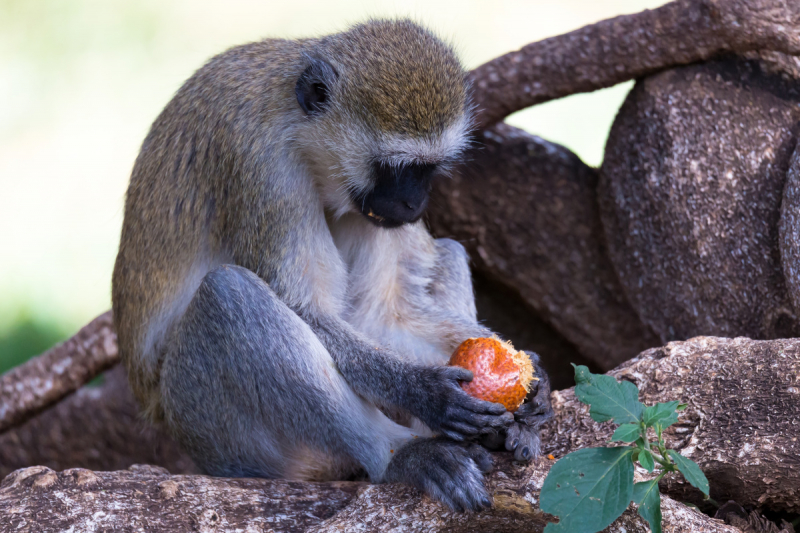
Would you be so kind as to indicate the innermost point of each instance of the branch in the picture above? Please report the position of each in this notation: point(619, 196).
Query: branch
point(44, 380)
point(692, 226)
point(740, 427)
point(629, 47)
point(83, 500)
point(97, 428)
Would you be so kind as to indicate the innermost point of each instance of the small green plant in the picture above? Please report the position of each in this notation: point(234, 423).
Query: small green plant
point(590, 488)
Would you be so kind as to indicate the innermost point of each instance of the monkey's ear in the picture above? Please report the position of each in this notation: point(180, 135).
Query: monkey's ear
point(313, 86)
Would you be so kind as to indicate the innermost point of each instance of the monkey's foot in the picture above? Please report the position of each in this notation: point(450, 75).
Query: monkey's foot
point(522, 437)
point(447, 471)
point(524, 441)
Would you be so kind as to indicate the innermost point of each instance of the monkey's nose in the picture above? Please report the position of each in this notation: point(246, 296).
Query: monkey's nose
point(409, 205)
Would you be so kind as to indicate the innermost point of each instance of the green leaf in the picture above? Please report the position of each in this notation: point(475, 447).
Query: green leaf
point(690, 471)
point(626, 433)
point(647, 497)
point(607, 398)
point(683, 407)
point(646, 460)
point(661, 413)
point(588, 489)
point(661, 425)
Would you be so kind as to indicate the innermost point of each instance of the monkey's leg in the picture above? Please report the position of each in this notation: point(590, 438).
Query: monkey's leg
point(452, 288)
point(249, 390)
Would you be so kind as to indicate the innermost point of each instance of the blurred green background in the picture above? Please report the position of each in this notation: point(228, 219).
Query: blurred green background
point(81, 81)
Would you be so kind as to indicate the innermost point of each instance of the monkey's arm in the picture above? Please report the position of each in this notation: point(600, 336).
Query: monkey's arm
point(452, 293)
point(432, 394)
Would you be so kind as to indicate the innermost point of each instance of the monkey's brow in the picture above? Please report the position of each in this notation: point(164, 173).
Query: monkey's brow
point(398, 158)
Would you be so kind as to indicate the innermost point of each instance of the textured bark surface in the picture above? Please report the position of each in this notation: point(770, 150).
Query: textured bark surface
point(42, 500)
point(526, 210)
point(32, 387)
point(790, 228)
point(629, 47)
point(740, 426)
point(690, 193)
point(96, 428)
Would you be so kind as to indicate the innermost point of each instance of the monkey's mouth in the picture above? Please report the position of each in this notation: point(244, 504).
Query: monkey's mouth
point(383, 221)
point(373, 216)
point(390, 213)
point(399, 194)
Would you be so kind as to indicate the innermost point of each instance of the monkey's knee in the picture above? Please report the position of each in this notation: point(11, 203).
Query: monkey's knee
point(223, 371)
point(249, 389)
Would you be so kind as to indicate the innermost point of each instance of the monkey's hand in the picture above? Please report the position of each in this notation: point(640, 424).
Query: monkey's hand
point(435, 396)
point(522, 437)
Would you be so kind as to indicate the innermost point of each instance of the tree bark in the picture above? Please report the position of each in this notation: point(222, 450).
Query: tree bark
point(98, 428)
point(629, 47)
point(42, 500)
point(740, 427)
point(44, 380)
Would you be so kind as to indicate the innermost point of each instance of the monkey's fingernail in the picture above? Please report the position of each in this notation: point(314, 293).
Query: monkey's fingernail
point(515, 444)
point(486, 503)
point(526, 452)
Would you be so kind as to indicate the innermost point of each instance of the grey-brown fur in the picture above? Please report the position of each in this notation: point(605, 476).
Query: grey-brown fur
point(266, 314)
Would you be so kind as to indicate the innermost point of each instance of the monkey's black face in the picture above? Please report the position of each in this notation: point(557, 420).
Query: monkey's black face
point(400, 194)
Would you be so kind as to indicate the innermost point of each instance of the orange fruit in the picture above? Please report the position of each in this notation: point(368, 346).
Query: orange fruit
point(501, 373)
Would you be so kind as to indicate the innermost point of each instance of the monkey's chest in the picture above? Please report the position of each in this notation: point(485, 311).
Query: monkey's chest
point(388, 275)
point(395, 316)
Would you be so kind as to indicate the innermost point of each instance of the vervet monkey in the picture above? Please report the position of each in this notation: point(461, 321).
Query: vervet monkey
point(280, 305)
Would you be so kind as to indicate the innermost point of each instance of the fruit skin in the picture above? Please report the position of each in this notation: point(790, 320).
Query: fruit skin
point(497, 370)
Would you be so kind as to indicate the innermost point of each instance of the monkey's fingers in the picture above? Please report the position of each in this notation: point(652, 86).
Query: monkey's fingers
point(481, 406)
point(446, 471)
point(459, 414)
point(468, 424)
point(482, 458)
point(536, 410)
point(491, 422)
point(456, 373)
point(460, 488)
point(524, 441)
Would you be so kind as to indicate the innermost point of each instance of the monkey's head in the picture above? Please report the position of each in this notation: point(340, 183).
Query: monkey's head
point(386, 110)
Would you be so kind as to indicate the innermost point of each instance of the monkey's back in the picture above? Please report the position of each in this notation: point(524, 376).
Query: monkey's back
point(182, 184)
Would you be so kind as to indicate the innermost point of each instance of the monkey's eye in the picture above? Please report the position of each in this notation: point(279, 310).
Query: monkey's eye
point(311, 88)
